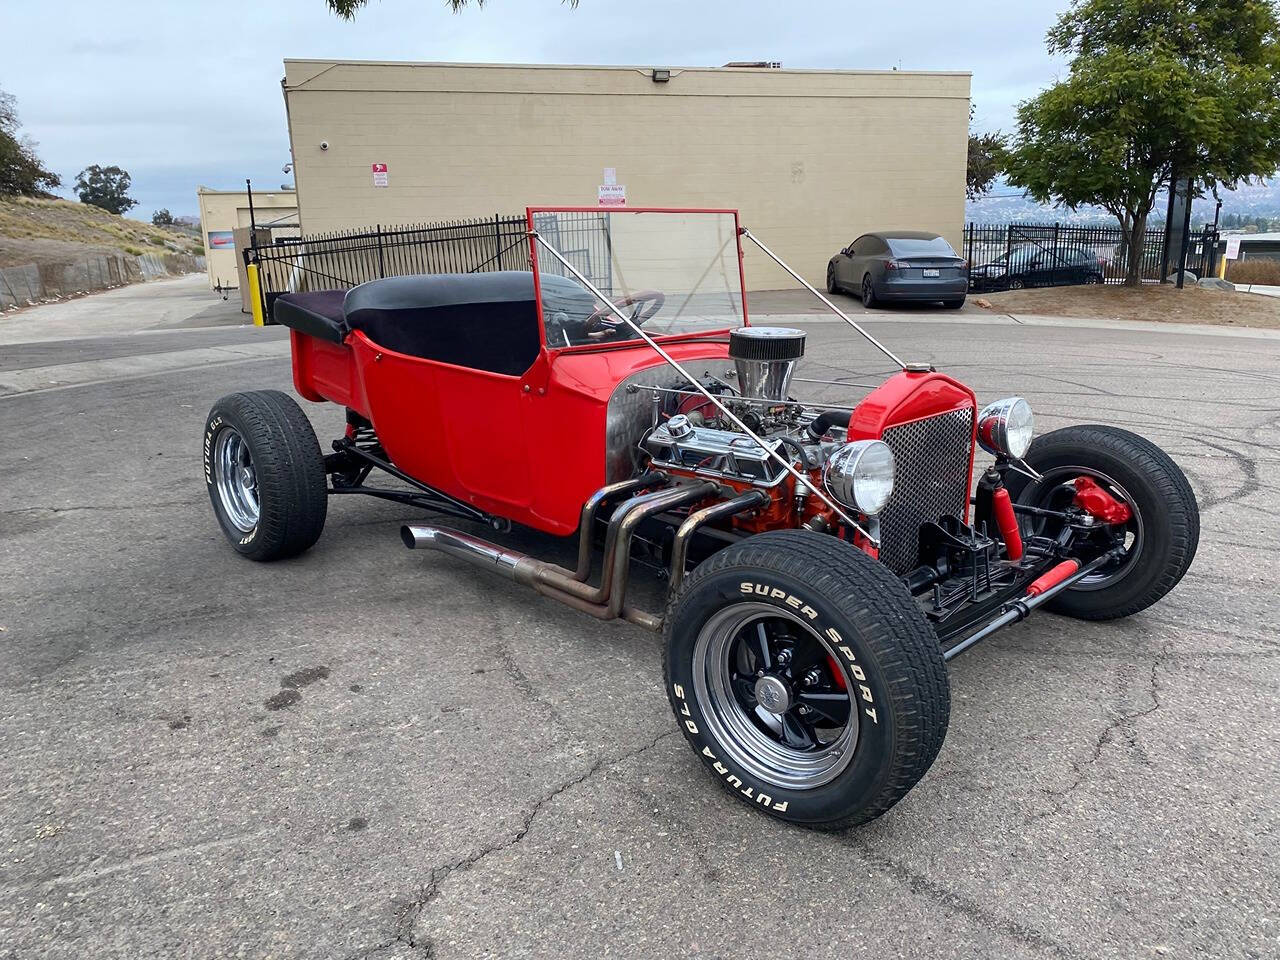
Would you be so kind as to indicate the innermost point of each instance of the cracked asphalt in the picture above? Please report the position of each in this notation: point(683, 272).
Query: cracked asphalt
point(367, 752)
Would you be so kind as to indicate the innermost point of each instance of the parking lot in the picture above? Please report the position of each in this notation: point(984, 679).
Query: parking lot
point(368, 752)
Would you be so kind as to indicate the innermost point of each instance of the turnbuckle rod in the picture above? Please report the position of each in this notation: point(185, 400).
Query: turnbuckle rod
point(1021, 608)
point(834, 309)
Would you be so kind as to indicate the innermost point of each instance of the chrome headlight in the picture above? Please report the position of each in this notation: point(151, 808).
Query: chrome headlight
point(860, 475)
point(1006, 427)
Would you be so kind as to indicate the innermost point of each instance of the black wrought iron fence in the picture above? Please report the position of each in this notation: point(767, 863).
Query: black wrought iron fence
point(344, 259)
point(1015, 255)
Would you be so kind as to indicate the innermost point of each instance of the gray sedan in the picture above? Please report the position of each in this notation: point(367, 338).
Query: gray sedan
point(899, 265)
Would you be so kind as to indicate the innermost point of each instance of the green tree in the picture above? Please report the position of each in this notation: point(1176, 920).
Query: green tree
point(21, 172)
point(105, 187)
point(163, 218)
point(985, 152)
point(347, 9)
point(1156, 90)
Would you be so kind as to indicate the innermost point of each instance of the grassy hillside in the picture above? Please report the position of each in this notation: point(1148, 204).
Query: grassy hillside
point(60, 231)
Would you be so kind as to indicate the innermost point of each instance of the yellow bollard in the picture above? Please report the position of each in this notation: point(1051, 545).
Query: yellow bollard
point(255, 295)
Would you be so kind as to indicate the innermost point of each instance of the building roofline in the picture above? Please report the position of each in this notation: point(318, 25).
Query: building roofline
point(642, 68)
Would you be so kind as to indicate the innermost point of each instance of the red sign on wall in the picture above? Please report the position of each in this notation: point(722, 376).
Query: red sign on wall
point(380, 176)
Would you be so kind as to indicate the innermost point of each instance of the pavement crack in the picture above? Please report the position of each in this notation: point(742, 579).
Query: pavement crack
point(103, 507)
point(410, 910)
point(971, 909)
point(1123, 722)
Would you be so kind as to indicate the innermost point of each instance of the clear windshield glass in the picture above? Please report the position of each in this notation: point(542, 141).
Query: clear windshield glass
point(672, 273)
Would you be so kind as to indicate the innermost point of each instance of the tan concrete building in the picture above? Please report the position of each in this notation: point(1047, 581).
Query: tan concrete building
point(811, 158)
point(223, 212)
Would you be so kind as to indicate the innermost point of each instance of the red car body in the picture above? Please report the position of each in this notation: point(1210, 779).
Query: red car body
point(488, 439)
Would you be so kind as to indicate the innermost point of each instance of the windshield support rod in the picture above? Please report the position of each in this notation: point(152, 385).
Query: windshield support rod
point(834, 309)
point(732, 417)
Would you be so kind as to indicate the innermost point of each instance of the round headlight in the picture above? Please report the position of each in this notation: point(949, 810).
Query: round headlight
point(1006, 427)
point(860, 475)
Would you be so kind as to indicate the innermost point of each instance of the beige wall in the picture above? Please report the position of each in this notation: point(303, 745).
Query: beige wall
point(810, 158)
point(229, 209)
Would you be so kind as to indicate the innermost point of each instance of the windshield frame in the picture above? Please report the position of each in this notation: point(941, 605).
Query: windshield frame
point(720, 332)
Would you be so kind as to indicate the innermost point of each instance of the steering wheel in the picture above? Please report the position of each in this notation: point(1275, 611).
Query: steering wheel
point(646, 303)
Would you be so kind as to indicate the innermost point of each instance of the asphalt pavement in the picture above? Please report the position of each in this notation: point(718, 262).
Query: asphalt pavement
point(372, 752)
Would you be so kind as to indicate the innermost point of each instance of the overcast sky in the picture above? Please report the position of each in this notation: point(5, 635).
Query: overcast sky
point(182, 93)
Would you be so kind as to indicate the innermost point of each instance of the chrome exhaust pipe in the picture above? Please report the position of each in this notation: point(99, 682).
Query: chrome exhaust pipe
point(463, 546)
point(517, 567)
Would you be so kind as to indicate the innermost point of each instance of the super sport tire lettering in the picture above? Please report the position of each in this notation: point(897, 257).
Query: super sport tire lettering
point(871, 627)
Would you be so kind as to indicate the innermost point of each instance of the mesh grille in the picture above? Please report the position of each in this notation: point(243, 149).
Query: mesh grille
point(932, 459)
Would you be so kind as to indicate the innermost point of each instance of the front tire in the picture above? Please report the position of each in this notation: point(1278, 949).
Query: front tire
point(265, 474)
point(1161, 536)
point(805, 677)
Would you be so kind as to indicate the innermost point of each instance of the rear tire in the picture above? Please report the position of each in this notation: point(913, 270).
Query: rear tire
point(842, 638)
point(1016, 284)
point(868, 293)
point(1165, 532)
point(832, 285)
point(265, 474)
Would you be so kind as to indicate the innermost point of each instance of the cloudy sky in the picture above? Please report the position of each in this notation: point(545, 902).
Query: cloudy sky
point(182, 93)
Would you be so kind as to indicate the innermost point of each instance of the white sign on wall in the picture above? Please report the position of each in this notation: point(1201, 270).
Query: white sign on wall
point(610, 176)
point(1233, 248)
point(380, 175)
point(612, 195)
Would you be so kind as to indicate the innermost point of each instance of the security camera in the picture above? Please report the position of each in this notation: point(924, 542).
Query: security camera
point(324, 144)
point(286, 168)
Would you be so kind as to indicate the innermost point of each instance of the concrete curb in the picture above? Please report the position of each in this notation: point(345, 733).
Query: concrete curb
point(1009, 319)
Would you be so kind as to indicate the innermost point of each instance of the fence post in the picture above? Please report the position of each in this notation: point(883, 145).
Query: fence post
point(497, 239)
point(381, 267)
point(1053, 276)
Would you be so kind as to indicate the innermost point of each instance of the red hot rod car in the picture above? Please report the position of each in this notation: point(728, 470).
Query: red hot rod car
point(824, 560)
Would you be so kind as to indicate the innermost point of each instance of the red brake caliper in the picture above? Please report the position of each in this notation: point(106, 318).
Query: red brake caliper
point(836, 673)
point(1099, 504)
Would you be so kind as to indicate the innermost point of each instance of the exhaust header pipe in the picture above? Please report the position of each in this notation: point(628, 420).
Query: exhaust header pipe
point(605, 601)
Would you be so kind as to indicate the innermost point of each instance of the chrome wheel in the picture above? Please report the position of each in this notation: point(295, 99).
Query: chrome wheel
point(236, 479)
point(1056, 491)
point(777, 697)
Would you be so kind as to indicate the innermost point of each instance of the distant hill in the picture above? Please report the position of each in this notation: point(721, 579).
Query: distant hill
point(61, 231)
point(1005, 204)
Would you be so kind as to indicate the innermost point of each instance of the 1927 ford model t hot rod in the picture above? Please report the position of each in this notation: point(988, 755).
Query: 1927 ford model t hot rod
point(824, 560)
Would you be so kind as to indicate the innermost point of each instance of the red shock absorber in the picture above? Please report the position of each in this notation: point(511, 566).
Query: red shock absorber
point(1007, 521)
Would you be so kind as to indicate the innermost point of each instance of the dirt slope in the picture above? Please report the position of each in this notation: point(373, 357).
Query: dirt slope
point(61, 231)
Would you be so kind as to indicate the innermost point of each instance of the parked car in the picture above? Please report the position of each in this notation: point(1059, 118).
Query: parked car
point(822, 562)
point(1033, 265)
point(899, 265)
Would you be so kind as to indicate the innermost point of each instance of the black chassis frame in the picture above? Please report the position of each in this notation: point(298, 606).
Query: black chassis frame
point(964, 589)
point(359, 453)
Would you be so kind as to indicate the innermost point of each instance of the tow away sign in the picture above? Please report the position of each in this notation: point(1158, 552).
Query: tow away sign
point(612, 195)
point(380, 177)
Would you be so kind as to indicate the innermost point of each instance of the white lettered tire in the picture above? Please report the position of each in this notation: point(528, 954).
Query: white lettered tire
point(265, 474)
point(775, 640)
